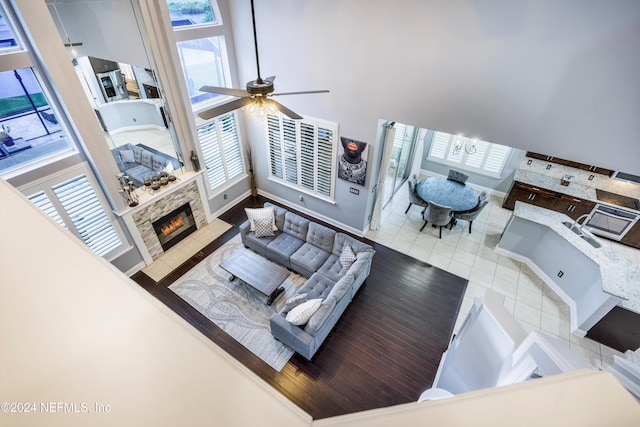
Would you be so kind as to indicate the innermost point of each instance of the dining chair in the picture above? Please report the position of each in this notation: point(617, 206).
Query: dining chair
point(439, 216)
point(483, 195)
point(414, 199)
point(473, 214)
point(457, 176)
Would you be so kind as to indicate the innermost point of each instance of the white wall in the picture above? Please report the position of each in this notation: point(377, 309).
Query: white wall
point(557, 77)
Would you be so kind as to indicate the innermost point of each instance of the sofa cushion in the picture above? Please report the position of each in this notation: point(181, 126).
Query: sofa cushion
point(146, 159)
point(278, 213)
point(283, 246)
point(318, 286)
point(302, 313)
point(332, 268)
point(296, 226)
point(158, 163)
point(263, 227)
point(137, 152)
point(140, 173)
point(347, 257)
point(308, 259)
point(295, 301)
point(264, 213)
point(342, 239)
point(321, 236)
point(318, 318)
point(260, 242)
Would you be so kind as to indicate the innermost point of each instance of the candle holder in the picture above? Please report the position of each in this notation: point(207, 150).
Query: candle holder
point(128, 191)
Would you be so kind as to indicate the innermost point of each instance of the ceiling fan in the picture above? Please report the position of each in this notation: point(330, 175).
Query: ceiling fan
point(256, 96)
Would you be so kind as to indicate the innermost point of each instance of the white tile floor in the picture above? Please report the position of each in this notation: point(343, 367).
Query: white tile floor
point(472, 256)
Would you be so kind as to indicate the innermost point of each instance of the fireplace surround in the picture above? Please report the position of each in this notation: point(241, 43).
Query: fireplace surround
point(154, 207)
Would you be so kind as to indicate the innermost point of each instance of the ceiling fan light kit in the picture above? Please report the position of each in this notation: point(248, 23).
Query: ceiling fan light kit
point(257, 95)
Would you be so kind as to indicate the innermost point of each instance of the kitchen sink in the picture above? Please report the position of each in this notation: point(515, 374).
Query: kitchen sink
point(584, 234)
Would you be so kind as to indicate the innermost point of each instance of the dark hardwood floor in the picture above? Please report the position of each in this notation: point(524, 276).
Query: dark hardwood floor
point(385, 349)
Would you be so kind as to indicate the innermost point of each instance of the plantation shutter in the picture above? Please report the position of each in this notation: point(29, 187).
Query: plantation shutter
point(440, 145)
point(476, 160)
point(221, 151)
point(87, 214)
point(325, 160)
point(290, 151)
point(275, 145)
point(43, 202)
point(302, 153)
point(497, 158)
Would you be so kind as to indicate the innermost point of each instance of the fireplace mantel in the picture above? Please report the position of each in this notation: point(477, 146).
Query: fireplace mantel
point(139, 219)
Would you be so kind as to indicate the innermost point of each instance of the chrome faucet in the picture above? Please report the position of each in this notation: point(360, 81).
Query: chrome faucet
point(577, 221)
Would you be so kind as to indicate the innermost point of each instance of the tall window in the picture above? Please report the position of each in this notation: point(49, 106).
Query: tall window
point(302, 154)
point(221, 150)
point(200, 40)
point(71, 200)
point(477, 156)
point(30, 131)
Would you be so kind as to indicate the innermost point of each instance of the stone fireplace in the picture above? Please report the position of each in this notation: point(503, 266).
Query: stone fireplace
point(171, 211)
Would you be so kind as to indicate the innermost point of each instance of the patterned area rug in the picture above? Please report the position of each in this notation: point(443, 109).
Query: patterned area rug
point(236, 307)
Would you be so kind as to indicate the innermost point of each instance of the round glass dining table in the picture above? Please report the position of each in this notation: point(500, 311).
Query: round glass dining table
point(443, 191)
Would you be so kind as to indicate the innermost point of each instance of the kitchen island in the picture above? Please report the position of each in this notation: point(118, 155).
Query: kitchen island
point(590, 280)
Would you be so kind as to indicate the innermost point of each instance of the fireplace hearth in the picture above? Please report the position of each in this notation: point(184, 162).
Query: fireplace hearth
point(175, 226)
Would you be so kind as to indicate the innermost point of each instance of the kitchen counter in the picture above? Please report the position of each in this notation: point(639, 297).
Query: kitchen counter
point(620, 277)
point(535, 172)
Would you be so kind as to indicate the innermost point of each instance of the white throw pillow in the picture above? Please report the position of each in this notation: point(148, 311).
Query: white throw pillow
point(262, 213)
point(301, 314)
point(347, 257)
point(127, 156)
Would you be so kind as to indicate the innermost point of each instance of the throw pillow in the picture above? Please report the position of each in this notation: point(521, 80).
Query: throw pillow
point(347, 257)
point(169, 168)
point(127, 156)
point(263, 227)
point(264, 213)
point(302, 313)
point(296, 300)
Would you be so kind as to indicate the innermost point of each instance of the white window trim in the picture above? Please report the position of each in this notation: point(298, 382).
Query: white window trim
point(46, 184)
point(297, 186)
point(465, 155)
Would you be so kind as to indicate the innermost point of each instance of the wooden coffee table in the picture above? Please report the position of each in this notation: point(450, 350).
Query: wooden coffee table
point(257, 272)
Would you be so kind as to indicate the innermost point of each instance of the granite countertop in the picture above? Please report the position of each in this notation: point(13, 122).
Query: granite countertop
point(535, 172)
point(620, 277)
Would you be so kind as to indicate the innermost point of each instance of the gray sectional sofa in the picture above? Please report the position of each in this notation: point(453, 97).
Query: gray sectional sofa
point(313, 251)
point(147, 162)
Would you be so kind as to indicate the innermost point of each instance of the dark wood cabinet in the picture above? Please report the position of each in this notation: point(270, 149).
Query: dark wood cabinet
point(529, 194)
point(632, 238)
point(571, 163)
point(571, 206)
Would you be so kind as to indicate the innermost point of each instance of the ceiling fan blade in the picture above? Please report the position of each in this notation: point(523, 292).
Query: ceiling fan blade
point(299, 93)
point(225, 108)
point(284, 110)
point(270, 79)
point(224, 91)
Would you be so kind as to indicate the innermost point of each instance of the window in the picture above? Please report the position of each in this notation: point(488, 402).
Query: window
point(302, 154)
point(200, 40)
point(8, 40)
point(477, 156)
point(188, 13)
point(71, 200)
point(202, 65)
point(221, 150)
point(30, 131)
